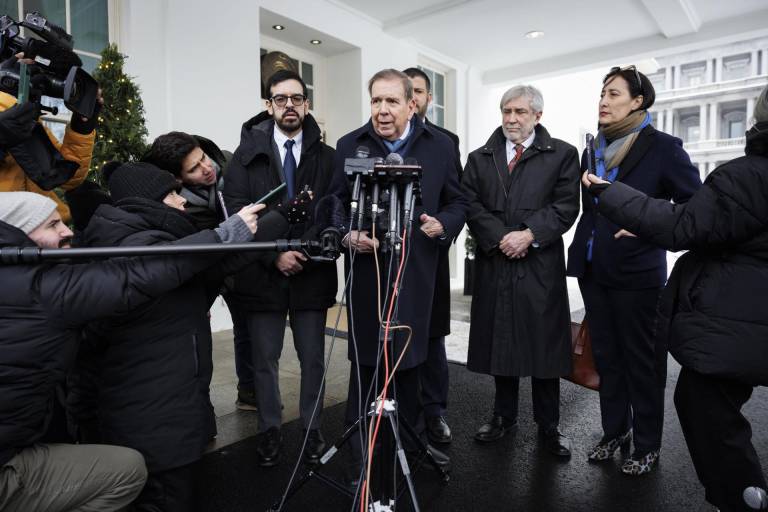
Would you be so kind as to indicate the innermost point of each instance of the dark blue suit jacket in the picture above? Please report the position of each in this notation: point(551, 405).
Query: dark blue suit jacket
point(440, 198)
point(657, 165)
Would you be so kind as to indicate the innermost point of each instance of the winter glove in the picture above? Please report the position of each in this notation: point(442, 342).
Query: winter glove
point(17, 123)
point(85, 125)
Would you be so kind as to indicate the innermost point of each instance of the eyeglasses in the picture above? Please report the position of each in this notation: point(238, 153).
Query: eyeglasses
point(616, 69)
point(281, 100)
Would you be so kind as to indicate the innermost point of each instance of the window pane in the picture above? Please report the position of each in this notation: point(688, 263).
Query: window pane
point(10, 7)
point(58, 129)
point(311, 96)
point(89, 24)
point(306, 73)
point(440, 116)
point(438, 90)
point(53, 10)
point(89, 63)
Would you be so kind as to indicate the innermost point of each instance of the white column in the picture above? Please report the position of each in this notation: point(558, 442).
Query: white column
point(678, 76)
point(668, 78)
point(750, 110)
point(753, 63)
point(669, 126)
point(719, 69)
point(708, 78)
point(714, 121)
point(764, 69)
point(703, 121)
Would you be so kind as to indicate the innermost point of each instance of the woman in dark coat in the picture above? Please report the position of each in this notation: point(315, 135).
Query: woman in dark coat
point(621, 275)
point(154, 364)
point(713, 311)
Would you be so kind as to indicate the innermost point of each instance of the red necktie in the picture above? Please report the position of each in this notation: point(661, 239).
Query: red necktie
point(518, 153)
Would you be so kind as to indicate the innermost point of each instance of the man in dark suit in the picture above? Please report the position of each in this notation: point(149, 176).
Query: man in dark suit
point(394, 128)
point(434, 371)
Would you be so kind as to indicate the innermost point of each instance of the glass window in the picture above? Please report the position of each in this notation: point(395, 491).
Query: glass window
point(736, 67)
point(89, 24)
point(689, 127)
point(89, 63)
point(306, 73)
point(10, 7)
point(692, 74)
point(734, 122)
point(436, 109)
point(53, 10)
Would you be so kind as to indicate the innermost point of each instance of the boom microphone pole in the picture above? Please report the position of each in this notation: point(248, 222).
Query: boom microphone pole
point(323, 250)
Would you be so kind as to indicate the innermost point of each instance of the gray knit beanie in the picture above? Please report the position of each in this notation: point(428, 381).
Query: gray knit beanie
point(761, 107)
point(25, 210)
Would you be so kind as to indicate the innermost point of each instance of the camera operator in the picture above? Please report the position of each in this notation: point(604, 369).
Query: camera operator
point(76, 148)
point(42, 312)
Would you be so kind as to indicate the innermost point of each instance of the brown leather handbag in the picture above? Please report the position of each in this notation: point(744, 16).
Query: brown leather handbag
point(584, 372)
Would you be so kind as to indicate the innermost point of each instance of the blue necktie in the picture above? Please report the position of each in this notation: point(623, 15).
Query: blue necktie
point(289, 167)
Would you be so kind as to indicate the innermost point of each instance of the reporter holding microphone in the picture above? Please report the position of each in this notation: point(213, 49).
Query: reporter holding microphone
point(621, 274)
point(712, 312)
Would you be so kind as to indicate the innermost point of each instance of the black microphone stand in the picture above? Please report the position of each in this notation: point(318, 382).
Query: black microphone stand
point(403, 185)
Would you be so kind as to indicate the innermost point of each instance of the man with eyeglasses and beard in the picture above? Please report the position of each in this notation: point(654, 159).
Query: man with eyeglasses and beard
point(283, 145)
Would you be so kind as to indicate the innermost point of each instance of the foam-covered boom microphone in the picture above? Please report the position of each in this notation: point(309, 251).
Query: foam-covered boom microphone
point(332, 221)
point(393, 159)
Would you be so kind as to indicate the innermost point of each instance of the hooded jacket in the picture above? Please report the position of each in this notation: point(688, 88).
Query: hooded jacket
point(255, 170)
point(153, 365)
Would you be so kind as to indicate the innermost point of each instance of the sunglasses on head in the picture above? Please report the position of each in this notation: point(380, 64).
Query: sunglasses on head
point(616, 70)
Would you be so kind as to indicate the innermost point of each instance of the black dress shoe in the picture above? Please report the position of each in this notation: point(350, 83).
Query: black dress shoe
point(555, 442)
point(315, 446)
point(268, 447)
point(495, 429)
point(438, 430)
point(415, 457)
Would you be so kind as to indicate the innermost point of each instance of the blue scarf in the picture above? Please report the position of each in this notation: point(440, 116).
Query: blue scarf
point(398, 146)
point(604, 151)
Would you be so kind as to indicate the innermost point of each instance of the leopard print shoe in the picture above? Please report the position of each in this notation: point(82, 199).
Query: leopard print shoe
point(640, 466)
point(604, 451)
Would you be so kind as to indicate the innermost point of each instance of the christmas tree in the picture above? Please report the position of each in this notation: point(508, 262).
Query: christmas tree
point(121, 129)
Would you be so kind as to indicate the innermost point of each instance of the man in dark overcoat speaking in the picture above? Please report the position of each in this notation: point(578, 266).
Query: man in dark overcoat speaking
point(394, 128)
point(523, 190)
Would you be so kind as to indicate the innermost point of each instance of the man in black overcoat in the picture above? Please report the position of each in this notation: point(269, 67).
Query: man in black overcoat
point(394, 128)
point(434, 371)
point(523, 190)
point(284, 145)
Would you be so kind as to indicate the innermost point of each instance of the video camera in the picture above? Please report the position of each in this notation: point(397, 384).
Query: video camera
point(58, 72)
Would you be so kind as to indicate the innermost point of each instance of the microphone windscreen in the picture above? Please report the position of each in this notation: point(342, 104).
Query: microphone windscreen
point(394, 159)
point(411, 161)
point(362, 152)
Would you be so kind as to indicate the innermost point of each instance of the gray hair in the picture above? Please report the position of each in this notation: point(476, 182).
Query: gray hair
point(393, 74)
point(761, 107)
point(532, 93)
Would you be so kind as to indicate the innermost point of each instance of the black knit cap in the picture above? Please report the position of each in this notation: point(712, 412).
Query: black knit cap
point(141, 179)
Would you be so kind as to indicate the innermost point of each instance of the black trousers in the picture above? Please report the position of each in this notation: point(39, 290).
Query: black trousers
point(546, 400)
point(719, 437)
point(405, 390)
point(174, 490)
point(631, 380)
point(434, 379)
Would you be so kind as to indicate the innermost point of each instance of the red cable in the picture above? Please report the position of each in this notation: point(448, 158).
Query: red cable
point(372, 442)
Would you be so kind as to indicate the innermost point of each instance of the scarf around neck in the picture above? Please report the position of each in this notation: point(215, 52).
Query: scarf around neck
point(622, 135)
